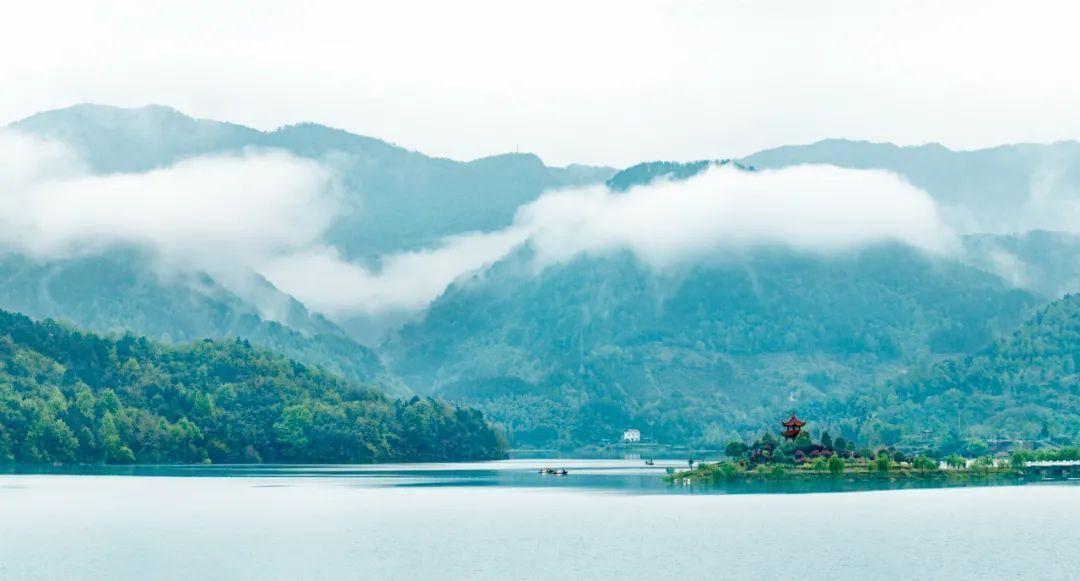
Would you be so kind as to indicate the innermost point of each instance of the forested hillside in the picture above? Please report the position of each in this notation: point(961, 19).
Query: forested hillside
point(123, 292)
point(577, 352)
point(71, 396)
point(1024, 386)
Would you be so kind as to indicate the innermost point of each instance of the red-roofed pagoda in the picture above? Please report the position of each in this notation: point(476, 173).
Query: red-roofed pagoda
point(793, 427)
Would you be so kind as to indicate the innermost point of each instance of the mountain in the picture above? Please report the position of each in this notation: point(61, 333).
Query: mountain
point(581, 350)
point(1023, 386)
point(123, 291)
point(650, 171)
point(1045, 262)
point(397, 199)
point(72, 396)
point(1010, 188)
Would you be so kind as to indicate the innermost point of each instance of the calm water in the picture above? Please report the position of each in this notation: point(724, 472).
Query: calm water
point(503, 520)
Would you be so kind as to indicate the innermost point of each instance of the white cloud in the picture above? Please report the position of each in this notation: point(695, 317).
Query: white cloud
point(224, 214)
point(406, 282)
point(267, 212)
point(811, 207)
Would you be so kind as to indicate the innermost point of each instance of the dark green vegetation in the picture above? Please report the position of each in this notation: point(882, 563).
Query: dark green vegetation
point(121, 292)
point(1024, 386)
point(883, 345)
point(584, 349)
point(772, 459)
point(645, 173)
point(70, 396)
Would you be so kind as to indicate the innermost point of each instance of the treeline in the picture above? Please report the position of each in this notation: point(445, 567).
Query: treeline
point(72, 396)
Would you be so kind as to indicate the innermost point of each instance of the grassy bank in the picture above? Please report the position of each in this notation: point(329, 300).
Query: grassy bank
point(861, 470)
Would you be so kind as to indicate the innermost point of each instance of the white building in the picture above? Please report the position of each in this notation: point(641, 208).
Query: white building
point(631, 435)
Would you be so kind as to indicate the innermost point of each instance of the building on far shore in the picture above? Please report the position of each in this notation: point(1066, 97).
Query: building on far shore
point(631, 436)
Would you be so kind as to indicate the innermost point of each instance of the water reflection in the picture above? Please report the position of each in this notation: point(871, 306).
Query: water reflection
point(620, 475)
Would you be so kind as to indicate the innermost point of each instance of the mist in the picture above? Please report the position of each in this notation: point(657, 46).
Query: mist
point(813, 207)
point(267, 212)
point(820, 209)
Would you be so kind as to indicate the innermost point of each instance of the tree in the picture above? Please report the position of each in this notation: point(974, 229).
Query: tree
point(883, 463)
point(955, 461)
point(820, 465)
point(923, 463)
point(730, 470)
point(826, 440)
point(1020, 457)
point(836, 465)
point(735, 449)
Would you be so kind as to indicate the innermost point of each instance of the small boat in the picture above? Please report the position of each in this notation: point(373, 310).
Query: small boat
point(562, 472)
point(648, 462)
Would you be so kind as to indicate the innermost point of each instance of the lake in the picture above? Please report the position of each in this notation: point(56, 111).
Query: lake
point(503, 520)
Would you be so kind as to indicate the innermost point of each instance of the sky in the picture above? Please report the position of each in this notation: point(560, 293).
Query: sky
point(575, 82)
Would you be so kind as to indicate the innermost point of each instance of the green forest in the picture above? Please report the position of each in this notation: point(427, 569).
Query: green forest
point(575, 354)
point(1024, 386)
point(68, 396)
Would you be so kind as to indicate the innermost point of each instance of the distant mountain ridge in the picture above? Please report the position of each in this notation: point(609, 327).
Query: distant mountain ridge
point(1003, 189)
point(579, 351)
point(400, 199)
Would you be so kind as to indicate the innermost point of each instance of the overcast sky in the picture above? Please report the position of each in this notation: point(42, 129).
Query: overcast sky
point(593, 82)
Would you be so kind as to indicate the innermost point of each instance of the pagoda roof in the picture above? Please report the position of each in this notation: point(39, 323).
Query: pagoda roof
point(790, 433)
point(794, 422)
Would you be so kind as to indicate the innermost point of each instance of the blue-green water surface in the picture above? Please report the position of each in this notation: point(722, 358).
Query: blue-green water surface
point(504, 520)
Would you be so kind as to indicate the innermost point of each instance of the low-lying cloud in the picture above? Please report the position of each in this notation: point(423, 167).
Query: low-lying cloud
point(212, 212)
point(407, 281)
point(812, 207)
point(267, 212)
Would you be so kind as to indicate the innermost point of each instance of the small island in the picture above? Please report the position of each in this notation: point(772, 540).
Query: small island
point(795, 456)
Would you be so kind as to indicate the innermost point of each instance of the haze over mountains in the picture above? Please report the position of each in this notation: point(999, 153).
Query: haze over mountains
point(693, 300)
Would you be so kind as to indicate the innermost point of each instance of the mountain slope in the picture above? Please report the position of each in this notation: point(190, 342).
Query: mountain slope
point(1025, 385)
point(398, 199)
point(70, 396)
point(582, 349)
point(1045, 262)
point(1009, 188)
point(123, 292)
